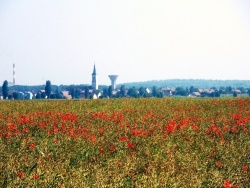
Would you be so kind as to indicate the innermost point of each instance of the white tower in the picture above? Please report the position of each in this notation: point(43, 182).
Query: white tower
point(94, 79)
point(113, 81)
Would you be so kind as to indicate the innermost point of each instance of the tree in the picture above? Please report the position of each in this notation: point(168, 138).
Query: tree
point(5, 89)
point(105, 92)
point(72, 92)
point(86, 92)
point(122, 91)
point(52, 96)
point(154, 91)
point(193, 89)
point(10, 96)
point(217, 94)
point(48, 88)
point(181, 91)
point(20, 95)
point(142, 91)
point(15, 95)
point(77, 93)
point(43, 95)
point(159, 95)
point(38, 95)
point(235, 94)
point(229, 89)
point(222, 90)
point(110, 91)
point(58, 94)
point(132, 92)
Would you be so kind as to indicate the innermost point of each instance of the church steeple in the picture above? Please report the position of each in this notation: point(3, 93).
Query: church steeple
point(94, 71)
point(94, 79)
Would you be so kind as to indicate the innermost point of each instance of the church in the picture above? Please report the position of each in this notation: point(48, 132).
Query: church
point(94, 79)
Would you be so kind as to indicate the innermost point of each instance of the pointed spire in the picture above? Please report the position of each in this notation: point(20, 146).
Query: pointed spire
point(94, 71)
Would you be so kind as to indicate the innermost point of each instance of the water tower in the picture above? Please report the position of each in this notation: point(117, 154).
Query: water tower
point(113, 81)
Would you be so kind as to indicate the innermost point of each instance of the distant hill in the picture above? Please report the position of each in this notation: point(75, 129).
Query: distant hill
point(199, 83)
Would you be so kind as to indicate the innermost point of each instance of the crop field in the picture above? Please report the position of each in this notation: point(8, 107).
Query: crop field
point(125, 143)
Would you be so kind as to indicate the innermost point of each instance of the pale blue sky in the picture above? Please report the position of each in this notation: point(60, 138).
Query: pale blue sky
point(59, 40)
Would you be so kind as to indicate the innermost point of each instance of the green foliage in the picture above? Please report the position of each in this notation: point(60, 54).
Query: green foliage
point(122, 91)
point(15, 95)
point(105, 92)
point(181, 91)
point(43, 95)
point(10, 97)
point(193, 89)
point(38, 95)
point(132, 92)
point(58, 95)
point(110, 92)
point(5, 89)
point(86, 92)
point(199, 83)
point(48, 89)
point(72, 92)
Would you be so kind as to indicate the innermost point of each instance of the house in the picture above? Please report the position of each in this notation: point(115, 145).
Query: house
point(29, 95)
point(166, 91)
point(94, 96)
point(209, 91)
point(195, 94)
point(66, 94)
point(237, 91)
point(148, 90)
point(200, 90)
point(21, 95)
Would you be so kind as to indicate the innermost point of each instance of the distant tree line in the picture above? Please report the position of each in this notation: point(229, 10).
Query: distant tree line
point(131, 92)
point(200, 83)
point(49, 91)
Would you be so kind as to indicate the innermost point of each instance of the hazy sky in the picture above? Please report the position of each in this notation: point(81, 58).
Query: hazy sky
point(59, 40)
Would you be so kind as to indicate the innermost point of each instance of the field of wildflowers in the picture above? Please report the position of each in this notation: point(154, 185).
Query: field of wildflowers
point(125, 143)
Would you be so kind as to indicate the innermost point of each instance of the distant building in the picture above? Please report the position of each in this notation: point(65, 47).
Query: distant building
point(195, 94)
point(94, 79)
point(66, 94)
point(113, 81)
point(237, 91)
point(29, 95)
point(166, 91)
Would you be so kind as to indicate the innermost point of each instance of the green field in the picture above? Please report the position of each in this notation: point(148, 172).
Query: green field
point(166, 142)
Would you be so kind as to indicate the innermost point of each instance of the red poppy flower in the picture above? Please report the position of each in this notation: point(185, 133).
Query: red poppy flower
point(244, 168)
point(219, 164)
point(119, 163)
point(32, 146)
point(130, 145)
point(112, 148)
point(20, 174)
point(35, 176)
